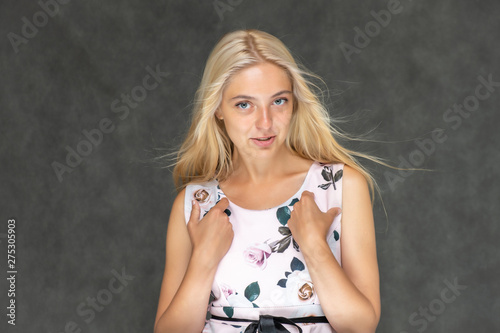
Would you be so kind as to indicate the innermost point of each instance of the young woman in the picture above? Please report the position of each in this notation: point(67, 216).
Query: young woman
point(273, 224)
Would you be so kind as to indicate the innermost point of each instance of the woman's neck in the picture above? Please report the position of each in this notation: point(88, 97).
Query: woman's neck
point(261, 171)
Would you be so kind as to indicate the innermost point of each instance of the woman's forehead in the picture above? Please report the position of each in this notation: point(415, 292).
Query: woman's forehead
point(263, 79)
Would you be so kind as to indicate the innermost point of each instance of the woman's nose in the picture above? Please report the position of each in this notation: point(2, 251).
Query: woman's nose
point(264, 118)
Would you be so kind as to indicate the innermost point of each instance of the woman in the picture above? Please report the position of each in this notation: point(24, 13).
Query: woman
point(273, 225)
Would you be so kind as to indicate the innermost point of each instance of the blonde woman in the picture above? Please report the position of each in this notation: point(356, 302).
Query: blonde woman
point(273, 227)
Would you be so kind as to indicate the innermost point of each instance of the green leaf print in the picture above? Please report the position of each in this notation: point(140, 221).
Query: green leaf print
point(283, 214)
point(297, 265)
point(294, 201)
point(338, 175)
point(284, 244)
point(336, 235)
point(228, 310)
point(326, 173)
point(330, 178)
point(285, 231)
point(252, 291)
point(325, 186)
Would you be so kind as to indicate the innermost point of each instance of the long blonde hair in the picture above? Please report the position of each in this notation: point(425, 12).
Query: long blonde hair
point(206, 152)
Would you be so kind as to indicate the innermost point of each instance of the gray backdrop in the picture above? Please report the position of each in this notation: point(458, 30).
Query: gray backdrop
point(88, 206)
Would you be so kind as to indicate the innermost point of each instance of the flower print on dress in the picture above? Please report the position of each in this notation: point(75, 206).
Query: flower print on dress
point(298, 286)
point(205, 198)
point(227, 290)
point(236, 300)
point(282, 244)
point(333, 240)
point(300, 289)
point(283, 215)
point(256, 255)
point(331, 179)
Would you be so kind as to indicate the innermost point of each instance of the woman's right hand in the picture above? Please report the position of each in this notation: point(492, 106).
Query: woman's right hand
point(211, 236)
point(193, 252)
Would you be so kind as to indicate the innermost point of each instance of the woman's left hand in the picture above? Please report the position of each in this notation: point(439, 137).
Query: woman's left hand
point(308, 224)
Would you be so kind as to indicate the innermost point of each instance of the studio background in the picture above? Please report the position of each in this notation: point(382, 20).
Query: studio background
point(83, 221)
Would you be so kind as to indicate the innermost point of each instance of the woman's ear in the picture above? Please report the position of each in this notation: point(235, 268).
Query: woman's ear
point(218, 114)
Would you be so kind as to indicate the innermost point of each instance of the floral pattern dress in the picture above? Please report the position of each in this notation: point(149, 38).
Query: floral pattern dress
point(264, 273)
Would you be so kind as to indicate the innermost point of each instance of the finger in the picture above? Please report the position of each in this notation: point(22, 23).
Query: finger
point(195, 212)
point(223, 203)
point(333, 212)
point(307, 194)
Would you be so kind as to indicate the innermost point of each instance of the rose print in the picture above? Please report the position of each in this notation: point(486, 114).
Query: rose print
point(306, 291)
point(300, 289)
point(256, 255)
point(298, 284)
point(204, 198)
point(227, 290)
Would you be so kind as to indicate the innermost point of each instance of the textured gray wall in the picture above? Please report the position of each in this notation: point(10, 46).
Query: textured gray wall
point(107, 213)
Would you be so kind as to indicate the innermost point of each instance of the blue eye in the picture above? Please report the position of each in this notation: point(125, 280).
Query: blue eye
point(281, 99)
point(243, 105)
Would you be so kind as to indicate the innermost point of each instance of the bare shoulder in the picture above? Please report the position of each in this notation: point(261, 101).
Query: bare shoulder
point(354, 179)
point(356, 202)
point(178, 205)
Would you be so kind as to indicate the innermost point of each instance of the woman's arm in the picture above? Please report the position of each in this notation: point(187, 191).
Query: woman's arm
point(192, 255)
point(349, 295)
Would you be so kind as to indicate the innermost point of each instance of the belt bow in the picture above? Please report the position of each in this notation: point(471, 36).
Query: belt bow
point(270, 324)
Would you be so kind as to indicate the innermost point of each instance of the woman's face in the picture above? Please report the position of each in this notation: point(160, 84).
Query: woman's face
point(256, 108)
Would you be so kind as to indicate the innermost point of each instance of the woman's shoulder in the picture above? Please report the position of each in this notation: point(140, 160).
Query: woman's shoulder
point(346, 172)
point(353, 175)
point(355, 183)
point(206, 193)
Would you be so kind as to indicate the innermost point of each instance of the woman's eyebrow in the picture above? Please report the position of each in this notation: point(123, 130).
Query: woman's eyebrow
point(250, 97)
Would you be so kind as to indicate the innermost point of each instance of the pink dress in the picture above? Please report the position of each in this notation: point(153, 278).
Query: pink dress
point(263, 278)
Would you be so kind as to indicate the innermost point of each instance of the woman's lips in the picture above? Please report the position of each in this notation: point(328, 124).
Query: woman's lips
point(263, 143)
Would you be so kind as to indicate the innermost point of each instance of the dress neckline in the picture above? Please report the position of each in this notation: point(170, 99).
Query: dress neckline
point(295, 195)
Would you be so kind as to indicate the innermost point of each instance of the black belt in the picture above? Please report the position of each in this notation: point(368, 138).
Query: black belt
point(271, 324)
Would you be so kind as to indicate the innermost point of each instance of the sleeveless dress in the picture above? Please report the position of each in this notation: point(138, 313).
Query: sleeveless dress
point(264, 277)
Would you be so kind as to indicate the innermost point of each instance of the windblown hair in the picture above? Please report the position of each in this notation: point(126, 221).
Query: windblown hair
point(206, 153)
